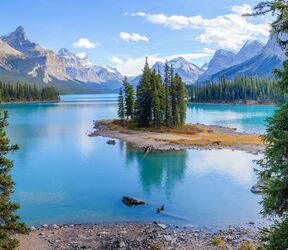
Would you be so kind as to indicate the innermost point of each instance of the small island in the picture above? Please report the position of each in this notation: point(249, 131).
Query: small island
point(154, 119)
point(189, 136)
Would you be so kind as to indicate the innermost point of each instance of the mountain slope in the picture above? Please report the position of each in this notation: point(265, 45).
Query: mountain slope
point(271, 57)
point(221, 60)
point(81, 69)
point(22, 59)
point(47, 63)
point(188, 71)
point(249, 50)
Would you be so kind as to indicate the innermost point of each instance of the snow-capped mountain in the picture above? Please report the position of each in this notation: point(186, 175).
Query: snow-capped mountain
point(81, 69)
point(188, 71)
point(22, 59)
point(46, 63)
point(221, 60)
point(250, 49)
point(270, 57)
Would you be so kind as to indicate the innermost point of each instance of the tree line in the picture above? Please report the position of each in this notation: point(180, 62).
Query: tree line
point(241, 88)
point(157, 102)
point(26, 92)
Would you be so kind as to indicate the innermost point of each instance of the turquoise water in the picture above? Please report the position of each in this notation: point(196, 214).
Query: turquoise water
point(64, 176)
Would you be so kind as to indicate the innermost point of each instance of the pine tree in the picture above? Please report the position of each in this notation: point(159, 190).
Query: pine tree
point(167, 95)
point(156, 99)
point(9, 222)
point(129, 99)
point(143, 109)
point(274, 172)
point(181, 96)
point(121, 108)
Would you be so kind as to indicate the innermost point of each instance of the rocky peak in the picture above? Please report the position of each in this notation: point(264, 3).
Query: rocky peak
point(250, 49)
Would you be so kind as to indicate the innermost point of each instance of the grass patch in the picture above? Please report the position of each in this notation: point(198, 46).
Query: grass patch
point(189, 134)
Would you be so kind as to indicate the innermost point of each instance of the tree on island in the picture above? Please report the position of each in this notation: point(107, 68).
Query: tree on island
point(156, 103)
point(129, 99)
point(274, 172)
point(121, 105)
point(9, 222)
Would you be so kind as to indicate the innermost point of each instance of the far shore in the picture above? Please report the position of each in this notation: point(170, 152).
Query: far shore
point(137, 236)
point(234, 103)
point(191, 136)
point(29, 102)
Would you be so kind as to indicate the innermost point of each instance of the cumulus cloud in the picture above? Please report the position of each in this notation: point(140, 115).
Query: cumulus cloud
point(135, 37)
point(85, 43)
point(134, 66)
point(115, 59)
point(226, 31)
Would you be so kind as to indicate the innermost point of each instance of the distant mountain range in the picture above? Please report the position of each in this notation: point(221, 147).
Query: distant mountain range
point(252, 59)
point(23, 60)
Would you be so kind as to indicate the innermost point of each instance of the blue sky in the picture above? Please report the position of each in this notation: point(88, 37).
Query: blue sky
point(122, 32)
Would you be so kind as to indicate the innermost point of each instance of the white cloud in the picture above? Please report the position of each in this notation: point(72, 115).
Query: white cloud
point(135, 37)
point(115, 59)
point(85, 43)
point(82, 55)
point(242, 9)
point(134, 66)
point(228, 31)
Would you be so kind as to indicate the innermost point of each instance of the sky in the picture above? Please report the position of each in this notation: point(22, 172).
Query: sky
point(121, 33)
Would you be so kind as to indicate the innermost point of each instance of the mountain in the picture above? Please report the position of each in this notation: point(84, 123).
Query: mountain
point(204, 66)
point(270, 57)
point(24, 60)
point(81, 69)
point(188, 71)
point(221, 60)
point(46, 62)
point(250, 49)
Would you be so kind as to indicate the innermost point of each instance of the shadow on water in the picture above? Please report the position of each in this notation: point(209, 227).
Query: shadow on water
point(158, 169)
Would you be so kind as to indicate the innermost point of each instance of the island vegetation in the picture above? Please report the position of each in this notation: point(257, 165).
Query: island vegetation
point(23, 92)
point(157, 103)
point(242, 89)
point(154, 118)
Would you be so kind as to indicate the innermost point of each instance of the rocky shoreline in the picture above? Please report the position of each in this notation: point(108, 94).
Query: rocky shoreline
point(136, 236)
point(157, 141)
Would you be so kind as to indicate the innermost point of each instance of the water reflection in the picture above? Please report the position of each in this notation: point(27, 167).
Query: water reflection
point(235, 165)
point(158, 169)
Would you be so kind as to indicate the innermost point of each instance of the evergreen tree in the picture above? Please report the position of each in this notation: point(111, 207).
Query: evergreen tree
point(129, 99)
point(181, 96)
point(167, 101)
point(274, 172)
point(157, 113)
point(158, 103)
point(143, 112)
point(9, 222)
point(121, 108)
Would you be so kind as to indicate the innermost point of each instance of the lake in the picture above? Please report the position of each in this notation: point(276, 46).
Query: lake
point(64, 176)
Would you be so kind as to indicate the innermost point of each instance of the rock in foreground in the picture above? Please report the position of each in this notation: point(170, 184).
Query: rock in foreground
point(129, 201)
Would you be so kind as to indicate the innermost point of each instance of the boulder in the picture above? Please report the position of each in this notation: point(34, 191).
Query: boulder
point(111, 142)
point(257, 188)
point(129, 201)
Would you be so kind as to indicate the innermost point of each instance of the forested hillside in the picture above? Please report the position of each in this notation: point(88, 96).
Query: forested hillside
point(239, 90)
point(26, 93)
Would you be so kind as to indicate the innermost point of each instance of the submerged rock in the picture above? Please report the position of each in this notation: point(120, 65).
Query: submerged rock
point(111, 142)
point(129, 201)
